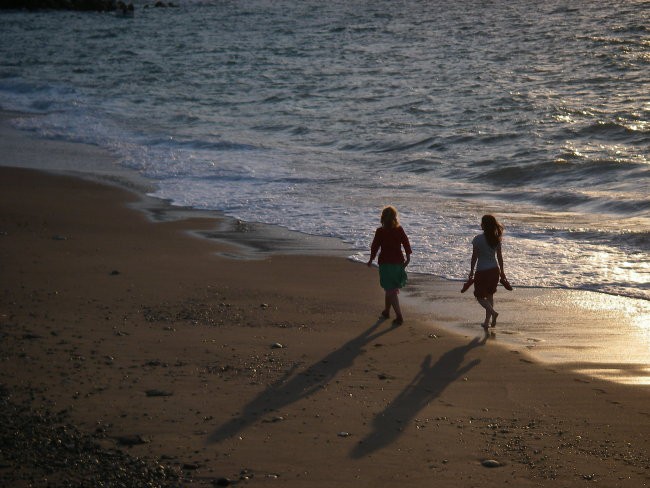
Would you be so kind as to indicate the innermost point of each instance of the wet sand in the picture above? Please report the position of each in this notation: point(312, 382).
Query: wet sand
point(278, 371)
point(603, 336)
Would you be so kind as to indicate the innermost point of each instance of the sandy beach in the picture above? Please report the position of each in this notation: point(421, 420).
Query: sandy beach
point(274, 371)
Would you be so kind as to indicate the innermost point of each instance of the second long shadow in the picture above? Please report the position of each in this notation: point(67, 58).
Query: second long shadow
point(293, 386)
point(428, 384)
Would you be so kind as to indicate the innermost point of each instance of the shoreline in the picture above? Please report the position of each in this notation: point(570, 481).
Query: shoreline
point(621, 357)
point(104, 168)
point(251, 240)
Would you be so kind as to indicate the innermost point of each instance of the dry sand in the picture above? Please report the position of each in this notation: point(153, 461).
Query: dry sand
point(134, 328)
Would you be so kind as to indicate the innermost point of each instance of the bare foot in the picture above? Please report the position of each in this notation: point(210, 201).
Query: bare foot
point(494, 319)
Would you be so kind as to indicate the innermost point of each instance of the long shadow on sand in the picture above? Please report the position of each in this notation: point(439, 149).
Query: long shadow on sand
point(293, 386)
point(428, 384)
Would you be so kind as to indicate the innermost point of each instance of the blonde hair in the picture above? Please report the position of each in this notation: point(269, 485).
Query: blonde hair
point(389, 217)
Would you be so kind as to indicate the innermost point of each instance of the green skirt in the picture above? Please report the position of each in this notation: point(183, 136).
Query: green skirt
point(392, 276)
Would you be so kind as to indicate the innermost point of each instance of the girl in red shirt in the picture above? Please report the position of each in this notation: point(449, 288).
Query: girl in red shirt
point(389, 240)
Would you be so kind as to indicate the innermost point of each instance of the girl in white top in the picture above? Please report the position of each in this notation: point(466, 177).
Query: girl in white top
point(488, 261)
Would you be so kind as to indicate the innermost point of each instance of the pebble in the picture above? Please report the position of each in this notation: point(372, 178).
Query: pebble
point(491, 463)
point(277, 345)
point(36, 444)
point(344, 434)
point(158, 393)
point(132, 440)
point(275, 419)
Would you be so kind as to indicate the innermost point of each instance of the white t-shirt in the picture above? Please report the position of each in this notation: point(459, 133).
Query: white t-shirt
point(487, 255)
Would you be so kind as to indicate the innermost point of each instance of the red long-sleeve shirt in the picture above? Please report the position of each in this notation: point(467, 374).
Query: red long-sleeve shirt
point(390, 241)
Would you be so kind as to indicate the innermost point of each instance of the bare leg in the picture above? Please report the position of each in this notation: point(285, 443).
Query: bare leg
point(495, 314)
point(394, 301)
point(386, 312)
point(486, 303)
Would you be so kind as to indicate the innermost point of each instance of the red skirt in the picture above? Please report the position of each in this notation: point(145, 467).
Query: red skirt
point(485, 282)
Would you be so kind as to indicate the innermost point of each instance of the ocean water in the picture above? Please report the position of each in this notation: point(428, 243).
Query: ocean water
point(313, 115)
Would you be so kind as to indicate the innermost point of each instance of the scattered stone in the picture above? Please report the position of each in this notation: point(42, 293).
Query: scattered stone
point(246, 474)
point(264, 305)
point(158, 393)
point(132, 440)
point(277, 345)
point(273, 420)
point(491, 463)
point(344, 434)
point(38, 443)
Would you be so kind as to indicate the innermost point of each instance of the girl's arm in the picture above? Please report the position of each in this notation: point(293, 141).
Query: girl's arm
point(473, 262)
point(500, 261)
point(407, 247)
point(374, 247)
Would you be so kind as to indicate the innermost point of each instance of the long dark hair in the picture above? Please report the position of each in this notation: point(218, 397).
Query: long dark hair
point(492, 230)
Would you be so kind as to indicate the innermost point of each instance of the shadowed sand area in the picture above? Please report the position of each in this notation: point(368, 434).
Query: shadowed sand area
point(131, 327)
